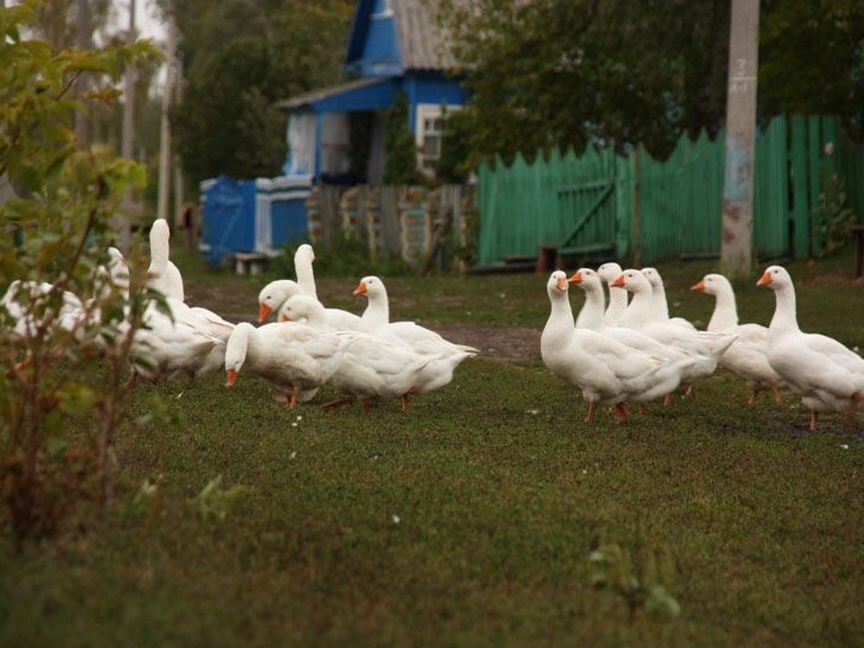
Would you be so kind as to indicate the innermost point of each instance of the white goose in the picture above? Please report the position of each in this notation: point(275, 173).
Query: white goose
point(177, 345)
point(295, 358)
point(748, 357)
point(436, 372)
point(376, 319)
point(609, 272)
point(606, 371)
point(591, 317)
point(274, 295)
point(29, 305)
point(164, 275)
point(707, 347)
point(660, 305)
point(828, 376)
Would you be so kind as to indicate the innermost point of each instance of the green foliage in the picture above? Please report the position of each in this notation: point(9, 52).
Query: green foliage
point(214, 502)
point(834, 216)
point(642, 583)
point(455, 163)
point(58, 415)
point(349, 257)
point(549, 73)
point(811, 60)
point(401, 167)
point(227, 123)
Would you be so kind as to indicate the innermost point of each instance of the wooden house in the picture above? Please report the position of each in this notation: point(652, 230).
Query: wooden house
point(395, 46)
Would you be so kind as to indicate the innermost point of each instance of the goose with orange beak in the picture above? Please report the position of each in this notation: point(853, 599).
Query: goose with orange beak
point(378, 367)
point(748, 357)
point(706, 348)
point(606, 371)
point(296, 359)
point(376, 320)
point(828, 376)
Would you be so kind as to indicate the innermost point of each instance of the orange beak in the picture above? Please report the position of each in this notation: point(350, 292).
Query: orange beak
point(576, 278)
point(618, 283)
point(286, 318)
point(232, 377)
point(699, 286)
point(263, 313)
point(765, 279)
point(562, 285)
point(360, 289)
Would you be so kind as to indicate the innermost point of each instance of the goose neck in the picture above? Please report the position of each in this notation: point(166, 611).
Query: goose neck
point(305, 275)
point(785, 312)
point(725, 315)
point(377, 311)
point(591, 315)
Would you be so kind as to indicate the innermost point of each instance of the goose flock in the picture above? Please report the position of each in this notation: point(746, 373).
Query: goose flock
point(368, 358)
point(632, 352)
point(628, 351)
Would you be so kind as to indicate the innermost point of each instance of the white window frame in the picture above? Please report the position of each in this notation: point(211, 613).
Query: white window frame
point(424, 112)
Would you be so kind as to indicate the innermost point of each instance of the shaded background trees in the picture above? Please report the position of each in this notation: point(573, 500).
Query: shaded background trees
point(240, 58)
point(549, 73)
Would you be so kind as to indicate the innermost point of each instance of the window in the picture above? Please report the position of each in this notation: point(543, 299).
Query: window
point(430, 131)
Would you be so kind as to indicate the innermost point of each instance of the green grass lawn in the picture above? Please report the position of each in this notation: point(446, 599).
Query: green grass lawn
point(470, 521)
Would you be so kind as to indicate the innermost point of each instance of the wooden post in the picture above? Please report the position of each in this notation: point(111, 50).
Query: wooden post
point(737, 241)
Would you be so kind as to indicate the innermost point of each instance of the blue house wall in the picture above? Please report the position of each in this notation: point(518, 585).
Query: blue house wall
point(432, 88)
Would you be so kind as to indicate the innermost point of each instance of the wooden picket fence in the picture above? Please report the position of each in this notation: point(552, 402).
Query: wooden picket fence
point(425, 227)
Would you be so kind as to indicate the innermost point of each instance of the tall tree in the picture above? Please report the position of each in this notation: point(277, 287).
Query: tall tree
point(550, 73)
point(268, 50)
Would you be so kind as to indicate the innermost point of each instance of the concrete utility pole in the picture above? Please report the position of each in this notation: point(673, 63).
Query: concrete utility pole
point(165, 137)
point(130, 76)
point(737, 246)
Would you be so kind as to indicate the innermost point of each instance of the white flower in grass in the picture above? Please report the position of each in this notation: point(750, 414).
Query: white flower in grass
point(299, 418)
point(293, 455)
point(844, 446)
point(294, 424)
point(396, 519)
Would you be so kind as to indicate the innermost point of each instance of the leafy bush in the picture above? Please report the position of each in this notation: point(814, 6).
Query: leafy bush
point(834, 216)
point(62, 379)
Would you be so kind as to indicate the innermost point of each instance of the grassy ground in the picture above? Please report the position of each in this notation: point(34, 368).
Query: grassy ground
point(470, 521)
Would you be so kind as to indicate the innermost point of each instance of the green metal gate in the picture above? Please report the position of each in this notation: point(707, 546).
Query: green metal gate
point(603, 205)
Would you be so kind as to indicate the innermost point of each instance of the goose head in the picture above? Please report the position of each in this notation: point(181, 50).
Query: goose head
point(653, 277)
point(557, 285)
point(633, 281)
point(587, 279)
point(712, 284)
point(371, 287)
point(235, 351)
point(609, 272)
point(273, 295)
point(302, 307)
point(775, 277)
point(304, 252)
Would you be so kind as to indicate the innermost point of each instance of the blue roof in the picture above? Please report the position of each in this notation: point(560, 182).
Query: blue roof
point(403, 33)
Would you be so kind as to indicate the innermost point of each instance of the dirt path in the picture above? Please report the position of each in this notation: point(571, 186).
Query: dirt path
point(515, 345)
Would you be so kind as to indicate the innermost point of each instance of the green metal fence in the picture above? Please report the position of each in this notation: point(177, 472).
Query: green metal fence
point(604, 205)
